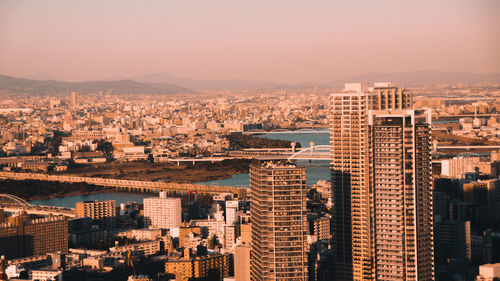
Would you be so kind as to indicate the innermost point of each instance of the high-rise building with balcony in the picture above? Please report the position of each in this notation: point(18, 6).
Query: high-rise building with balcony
point(401, 191)
point(279, 222)
point(21, 236)
point(96, 210)
point(162, 212)
point(101, 212)
point(380, 150)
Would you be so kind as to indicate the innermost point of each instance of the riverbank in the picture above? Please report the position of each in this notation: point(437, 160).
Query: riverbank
point(166, 172)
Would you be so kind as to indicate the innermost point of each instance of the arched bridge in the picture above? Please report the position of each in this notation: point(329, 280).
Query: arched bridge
point(287, 131)
point(11, 203)
point(318, 152)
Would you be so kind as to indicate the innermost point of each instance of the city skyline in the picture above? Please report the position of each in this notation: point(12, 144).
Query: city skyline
point(250, 140)
point(104, 153)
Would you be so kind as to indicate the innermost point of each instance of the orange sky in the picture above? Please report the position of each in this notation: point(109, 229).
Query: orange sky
point(285, 41)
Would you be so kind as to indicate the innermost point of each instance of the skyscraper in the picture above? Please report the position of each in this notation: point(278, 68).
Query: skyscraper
point(279, 223)
point(74, 98)
point(400, 178)
point(365, 172)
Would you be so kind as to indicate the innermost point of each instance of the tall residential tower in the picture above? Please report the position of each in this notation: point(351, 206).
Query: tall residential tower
point(368, 170)
point(279, 222)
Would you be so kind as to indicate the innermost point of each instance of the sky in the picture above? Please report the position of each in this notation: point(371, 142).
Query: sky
point(281, 41)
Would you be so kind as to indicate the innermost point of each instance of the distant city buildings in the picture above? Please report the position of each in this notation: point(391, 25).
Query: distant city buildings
point(74, 98)
point(376, 219)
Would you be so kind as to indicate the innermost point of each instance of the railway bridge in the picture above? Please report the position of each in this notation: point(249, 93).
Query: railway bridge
point(131, 185)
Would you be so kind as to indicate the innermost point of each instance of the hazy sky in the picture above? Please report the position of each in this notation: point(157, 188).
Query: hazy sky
point(287, 41)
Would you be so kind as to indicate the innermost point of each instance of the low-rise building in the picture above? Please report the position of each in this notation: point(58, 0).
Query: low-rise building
point(211, 267)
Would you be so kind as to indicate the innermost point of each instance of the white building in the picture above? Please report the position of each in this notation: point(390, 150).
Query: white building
point(162, 212)
point(489, 272)
point(232, 214)
point(47, 275)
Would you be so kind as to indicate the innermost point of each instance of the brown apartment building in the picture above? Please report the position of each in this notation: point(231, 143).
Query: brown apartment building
point(21, 236)
point(279, 223)
point(102, 212)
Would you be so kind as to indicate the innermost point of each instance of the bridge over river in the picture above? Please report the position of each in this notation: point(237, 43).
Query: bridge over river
point(13, 204)
point(131, 185)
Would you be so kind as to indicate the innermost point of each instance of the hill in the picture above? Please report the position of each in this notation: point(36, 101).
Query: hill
point(9, 84)
point(420, 78)
point(207, 85)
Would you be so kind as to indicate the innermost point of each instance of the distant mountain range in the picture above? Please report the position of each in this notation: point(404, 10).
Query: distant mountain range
point(11, 84)
point(408, 79)
point(163, 83)
point(207, 85)
point(419, 78)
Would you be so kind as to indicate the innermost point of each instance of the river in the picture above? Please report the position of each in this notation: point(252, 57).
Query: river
point(316, 170)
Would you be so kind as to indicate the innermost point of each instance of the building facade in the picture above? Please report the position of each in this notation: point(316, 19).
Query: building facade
point(211, 267)
point(400, 176)
point(162, 212)
point(101, 212)
point(374, 143)
point(22, 237)
point(96, 210)
point(279, 222)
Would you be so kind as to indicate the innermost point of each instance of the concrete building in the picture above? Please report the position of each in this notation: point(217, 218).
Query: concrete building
point(452, 240)
point(322, 230)
point(232, 214)
point(489, 272)
point(21, 237)
point(141, 234)
point(456, 167)
point(483, 193)
point(242, 263)
point(147, 247)
point(162, 212)
point(279, 221)
point(102, 212)
point(74, 98)
point(47, 275)
point(229, 236)
point(402, 192)
point(96, 210)
point(381, 185)
point(211, 267)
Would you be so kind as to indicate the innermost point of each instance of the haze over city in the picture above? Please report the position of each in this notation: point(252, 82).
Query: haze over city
point(249, 140)
point(280, 41)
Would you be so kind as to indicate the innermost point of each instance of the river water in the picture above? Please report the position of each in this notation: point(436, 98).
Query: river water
point(316, 170)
